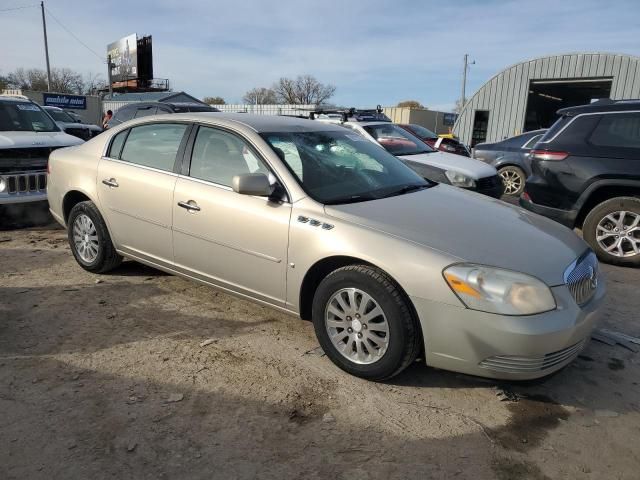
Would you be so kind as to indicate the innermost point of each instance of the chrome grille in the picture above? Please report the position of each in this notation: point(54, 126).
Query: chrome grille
point(517, 364)
point(26, 182)
point(581, 277)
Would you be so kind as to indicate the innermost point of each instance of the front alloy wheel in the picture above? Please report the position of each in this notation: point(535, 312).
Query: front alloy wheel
point(357, 326)
point(364, 322)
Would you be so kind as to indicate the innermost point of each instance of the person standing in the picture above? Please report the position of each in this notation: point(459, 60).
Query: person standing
point(105, 120)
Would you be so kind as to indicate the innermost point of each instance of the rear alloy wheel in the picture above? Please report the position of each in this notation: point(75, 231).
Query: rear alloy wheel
point(364, 323)
point(89, 239)
point(513, 179)
point(613, 231)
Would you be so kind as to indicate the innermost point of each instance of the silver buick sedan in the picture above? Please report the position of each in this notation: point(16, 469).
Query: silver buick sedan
point(308, 218)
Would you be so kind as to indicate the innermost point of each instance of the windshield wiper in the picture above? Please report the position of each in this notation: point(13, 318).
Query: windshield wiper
point(407, 189)
point(351, 199)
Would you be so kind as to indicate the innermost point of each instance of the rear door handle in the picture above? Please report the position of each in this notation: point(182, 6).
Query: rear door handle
point(190, 205)
point(111, 182)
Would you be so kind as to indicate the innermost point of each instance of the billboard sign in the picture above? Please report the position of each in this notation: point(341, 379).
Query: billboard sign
point(124, 58)
point(77, 102)
point(449, 119)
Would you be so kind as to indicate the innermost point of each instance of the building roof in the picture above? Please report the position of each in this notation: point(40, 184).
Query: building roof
point(150, 97)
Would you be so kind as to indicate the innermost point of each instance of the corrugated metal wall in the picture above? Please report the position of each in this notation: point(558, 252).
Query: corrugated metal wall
point(431, 119)
point(505, 95)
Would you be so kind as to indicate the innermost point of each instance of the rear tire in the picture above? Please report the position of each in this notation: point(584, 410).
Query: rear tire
point(513, 178)
point(90, 240)
point(613, 236)
point(371, 345)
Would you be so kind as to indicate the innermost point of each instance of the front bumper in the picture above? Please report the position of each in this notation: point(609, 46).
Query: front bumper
point(507, 347)
point(490, 186)
point(565, 217)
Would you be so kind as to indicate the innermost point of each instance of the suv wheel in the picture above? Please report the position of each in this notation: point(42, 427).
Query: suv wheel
point(364, 324)
point(613, 231)
point(89, 239)
point(513, 179)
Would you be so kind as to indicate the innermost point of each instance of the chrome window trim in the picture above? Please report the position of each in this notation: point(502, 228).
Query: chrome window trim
point(144, 167)
point(227, 188)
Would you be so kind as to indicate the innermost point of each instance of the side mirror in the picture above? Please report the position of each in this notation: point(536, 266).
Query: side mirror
point(252, 184)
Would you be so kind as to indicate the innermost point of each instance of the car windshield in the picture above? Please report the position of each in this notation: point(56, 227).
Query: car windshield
point(60, 116)
point(335, 167)
point(422, 132)
point(396, 140)
point(25, 116)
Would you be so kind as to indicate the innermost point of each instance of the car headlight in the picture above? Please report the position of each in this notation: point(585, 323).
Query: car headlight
point(457, 179)
point(495, 290)
point(3, 184)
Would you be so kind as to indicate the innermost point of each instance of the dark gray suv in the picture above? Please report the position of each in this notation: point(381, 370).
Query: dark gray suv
point(145, 109)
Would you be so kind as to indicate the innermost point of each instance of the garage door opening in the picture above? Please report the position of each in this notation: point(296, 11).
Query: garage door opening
point(480, 125)
point(547, 96)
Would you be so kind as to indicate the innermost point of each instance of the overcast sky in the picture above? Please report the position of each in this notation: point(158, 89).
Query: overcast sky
point(373, 51)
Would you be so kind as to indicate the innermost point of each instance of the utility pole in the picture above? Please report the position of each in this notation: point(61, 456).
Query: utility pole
point(46, 47)
point(464, 77)
point(109, 68)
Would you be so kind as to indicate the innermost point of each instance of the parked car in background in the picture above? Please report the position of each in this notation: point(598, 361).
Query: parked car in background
point(439, 142)
point(27, 136)
point(70, 125)
point(511, 158)
point(327, 225)
point(431, 164)
point(586, 174)
point(145, 109)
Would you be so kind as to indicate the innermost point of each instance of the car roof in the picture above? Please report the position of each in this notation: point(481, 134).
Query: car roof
point(15, 99)
point(51, 107)
point(604, 105)
point(262, 123)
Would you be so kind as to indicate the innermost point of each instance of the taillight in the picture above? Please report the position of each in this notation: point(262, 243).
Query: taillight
point(547, 155)
point(526, 196)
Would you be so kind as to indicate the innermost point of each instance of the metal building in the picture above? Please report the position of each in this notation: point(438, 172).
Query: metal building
point(526, 96)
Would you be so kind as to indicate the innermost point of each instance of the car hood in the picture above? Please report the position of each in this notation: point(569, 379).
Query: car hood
point(88, 126)
point(447, 161)
point(37, 139)
point(472, 228)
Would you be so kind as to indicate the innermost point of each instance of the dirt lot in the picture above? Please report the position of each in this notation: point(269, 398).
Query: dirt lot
point(138, 374)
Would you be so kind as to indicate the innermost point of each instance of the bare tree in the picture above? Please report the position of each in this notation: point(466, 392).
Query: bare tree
point(458, 107)
point(214, 100)
point(93, 83)
point(260, 96)
point(63, 80)
point(411, 104)
point(303, 90)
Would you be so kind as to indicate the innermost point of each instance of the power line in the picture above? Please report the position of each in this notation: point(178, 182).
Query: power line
point(102, 59)
point(18, 8)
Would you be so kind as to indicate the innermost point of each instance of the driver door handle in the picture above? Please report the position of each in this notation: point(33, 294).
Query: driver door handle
point(111, 182)
point(190, 206)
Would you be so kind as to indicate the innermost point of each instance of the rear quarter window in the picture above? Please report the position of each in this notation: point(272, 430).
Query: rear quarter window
point(116, 144)
point(617, 130)
point(555, 128)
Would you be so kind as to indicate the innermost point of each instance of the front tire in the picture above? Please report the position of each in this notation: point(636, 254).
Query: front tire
point(612, 229)
point(89, 239)
point(513, 178)
point(364, 323)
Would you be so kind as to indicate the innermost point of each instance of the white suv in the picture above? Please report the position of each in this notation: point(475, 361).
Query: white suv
point(431, 164)
point(27, 136)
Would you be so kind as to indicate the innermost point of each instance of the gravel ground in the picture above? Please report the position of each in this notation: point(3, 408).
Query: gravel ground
point(138, 374)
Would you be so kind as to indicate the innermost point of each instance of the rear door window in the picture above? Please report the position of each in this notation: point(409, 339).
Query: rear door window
point(529, 145)
point(155, 145)
point(617, 130)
